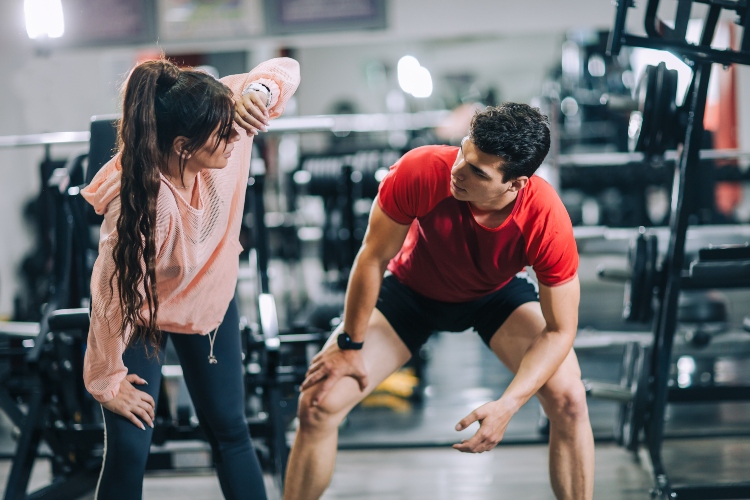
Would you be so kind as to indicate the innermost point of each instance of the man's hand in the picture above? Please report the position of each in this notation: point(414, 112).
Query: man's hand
point(250, 112)
point(329, 366)
point(132, 403)
point(493, 419)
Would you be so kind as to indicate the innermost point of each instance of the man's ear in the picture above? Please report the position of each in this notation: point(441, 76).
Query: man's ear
point(178, 146)
point(518, 183)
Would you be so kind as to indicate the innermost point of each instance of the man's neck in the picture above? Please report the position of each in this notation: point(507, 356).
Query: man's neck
point(500, 205)
point(493, 215)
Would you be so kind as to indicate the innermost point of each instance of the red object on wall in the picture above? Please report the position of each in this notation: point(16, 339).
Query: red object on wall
point(721, 119)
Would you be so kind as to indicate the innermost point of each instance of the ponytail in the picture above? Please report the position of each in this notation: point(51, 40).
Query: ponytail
point(141, 158)
point(161, 102)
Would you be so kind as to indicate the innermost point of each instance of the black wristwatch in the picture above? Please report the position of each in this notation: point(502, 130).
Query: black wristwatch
point(345, 342)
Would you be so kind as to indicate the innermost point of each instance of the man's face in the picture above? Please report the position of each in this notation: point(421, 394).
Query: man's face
point(477, 176)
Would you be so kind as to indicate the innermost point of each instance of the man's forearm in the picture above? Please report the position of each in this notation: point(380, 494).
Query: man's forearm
point(362, 295)
point(539, 363)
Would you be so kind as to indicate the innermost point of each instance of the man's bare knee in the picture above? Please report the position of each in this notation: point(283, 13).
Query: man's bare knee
point(565, 404)
point(325, 416)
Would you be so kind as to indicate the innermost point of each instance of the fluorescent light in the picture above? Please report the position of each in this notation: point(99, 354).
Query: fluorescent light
point(414, 78)
point(422, 83)
point(44, 18)
point(407, 67)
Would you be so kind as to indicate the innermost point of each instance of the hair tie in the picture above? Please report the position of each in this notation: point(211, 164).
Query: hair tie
point(168, 76)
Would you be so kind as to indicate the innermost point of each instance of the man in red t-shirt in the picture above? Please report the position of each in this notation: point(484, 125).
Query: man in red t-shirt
point(454, 227)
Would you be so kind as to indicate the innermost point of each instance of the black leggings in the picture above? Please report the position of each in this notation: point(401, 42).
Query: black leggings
point(217, 392)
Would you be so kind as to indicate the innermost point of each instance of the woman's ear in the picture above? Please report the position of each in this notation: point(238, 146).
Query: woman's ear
point(178, 147)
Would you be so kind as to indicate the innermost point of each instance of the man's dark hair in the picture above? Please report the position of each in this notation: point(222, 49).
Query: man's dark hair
point(517, 133)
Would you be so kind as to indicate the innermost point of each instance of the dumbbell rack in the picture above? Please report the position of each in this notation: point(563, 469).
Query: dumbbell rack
point(700, 57)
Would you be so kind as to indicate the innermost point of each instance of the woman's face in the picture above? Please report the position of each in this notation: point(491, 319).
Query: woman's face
point(209, 158)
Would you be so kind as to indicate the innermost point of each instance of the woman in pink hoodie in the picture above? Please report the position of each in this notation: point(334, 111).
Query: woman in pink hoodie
point(172, 201)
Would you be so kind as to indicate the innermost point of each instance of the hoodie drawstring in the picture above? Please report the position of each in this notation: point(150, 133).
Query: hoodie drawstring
point(211, 338)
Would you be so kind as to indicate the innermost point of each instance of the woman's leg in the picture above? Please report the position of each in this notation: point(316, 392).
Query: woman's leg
point(217, 391)
point(126, 446)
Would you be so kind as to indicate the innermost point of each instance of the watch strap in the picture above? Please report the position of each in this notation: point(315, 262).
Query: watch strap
point(259, 87)
point(345, 342)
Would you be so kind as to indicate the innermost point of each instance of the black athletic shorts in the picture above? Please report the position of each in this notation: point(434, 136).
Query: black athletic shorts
point(415, 317)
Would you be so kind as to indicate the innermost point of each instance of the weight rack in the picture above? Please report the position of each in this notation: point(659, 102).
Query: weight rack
point(734, 272)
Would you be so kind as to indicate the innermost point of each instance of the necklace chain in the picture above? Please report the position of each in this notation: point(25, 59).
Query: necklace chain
point(180, 187)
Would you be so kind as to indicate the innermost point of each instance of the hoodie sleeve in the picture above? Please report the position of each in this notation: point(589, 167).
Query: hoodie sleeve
point(280, 75)
point(103, 368)
point(105, 186)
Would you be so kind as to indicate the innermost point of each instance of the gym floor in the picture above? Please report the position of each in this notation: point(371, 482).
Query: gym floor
point(393, 449)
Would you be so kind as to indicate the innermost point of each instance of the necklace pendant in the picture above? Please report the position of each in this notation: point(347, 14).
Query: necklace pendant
point(212, 360)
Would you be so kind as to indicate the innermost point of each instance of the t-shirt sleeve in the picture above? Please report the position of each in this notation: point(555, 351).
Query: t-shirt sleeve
point(551, 245)
point(414, 185)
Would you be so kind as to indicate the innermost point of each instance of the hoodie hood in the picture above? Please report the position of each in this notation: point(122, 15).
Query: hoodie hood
point(105, 186)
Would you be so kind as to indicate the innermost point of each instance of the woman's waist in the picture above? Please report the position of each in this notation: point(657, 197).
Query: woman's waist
point(196, 302)
point(195, 312)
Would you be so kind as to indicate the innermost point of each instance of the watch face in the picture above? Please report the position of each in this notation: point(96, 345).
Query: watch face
point(344, 341)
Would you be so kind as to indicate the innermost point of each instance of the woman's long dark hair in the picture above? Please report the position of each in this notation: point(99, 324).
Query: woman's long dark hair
point(161, 102)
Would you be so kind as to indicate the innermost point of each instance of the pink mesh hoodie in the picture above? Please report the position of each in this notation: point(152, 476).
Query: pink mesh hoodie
point(197, 248)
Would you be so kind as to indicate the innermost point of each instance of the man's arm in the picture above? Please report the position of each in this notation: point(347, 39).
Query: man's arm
point(383, 240)
point(560, 309)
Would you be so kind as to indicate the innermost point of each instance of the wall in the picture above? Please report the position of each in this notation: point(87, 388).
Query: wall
point(514, 66)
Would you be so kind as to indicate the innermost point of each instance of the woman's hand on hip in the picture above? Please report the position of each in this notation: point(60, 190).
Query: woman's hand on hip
point(132, 403)
point(250, 112)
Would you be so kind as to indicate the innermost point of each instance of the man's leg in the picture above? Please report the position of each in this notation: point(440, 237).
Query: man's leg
point(571, 441)
point(313, 454)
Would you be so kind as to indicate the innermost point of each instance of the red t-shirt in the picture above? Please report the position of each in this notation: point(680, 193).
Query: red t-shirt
point(448, 256)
